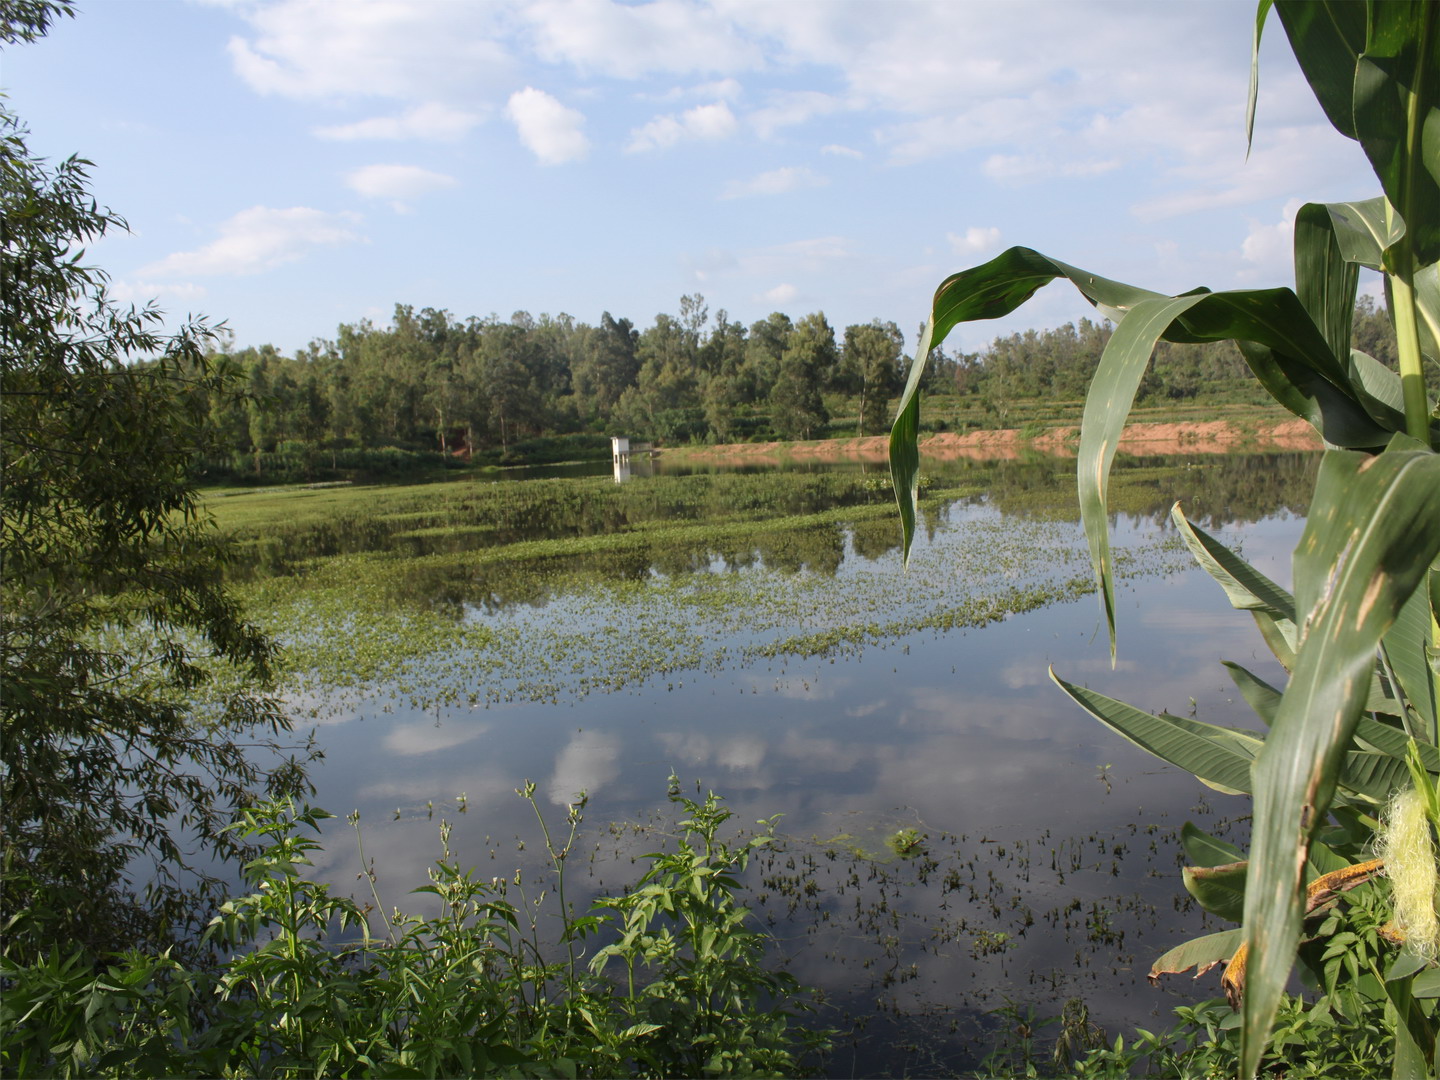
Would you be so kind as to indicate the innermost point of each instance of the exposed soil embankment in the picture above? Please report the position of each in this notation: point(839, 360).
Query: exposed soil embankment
point(1209, 437)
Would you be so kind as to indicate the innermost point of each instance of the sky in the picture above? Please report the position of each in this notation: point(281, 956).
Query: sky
point(291, 165)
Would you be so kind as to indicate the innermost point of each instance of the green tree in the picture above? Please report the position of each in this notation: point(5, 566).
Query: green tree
point(112, 616)
point(872, 359)
point(797, 409)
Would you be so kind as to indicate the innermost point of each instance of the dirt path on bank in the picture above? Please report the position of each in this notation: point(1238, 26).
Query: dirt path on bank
point(1210, 437)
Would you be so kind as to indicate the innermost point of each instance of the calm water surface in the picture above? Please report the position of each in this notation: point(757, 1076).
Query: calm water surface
point(1049, 867)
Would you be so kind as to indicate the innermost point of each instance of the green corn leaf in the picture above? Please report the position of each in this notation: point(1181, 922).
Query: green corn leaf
point(1373, 528)
point(1406, 652)
point(1220, 890)
point(1202, 849)
point(1327, 37)
point(1107, 404)
point(1394, 743)
point(1218, 757)
point(1427, 309)
point(1325, 280)
point(1396, 108)
point(1365, 230)
point(1378, 389)
point(1247, 588)
point(1261, 696)
point(1279, 340)
point(1204, 953)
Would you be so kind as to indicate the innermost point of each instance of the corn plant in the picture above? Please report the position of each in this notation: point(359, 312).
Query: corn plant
point(1357, 720)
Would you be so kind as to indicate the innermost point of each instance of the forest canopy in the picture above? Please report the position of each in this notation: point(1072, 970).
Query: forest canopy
point(430, 382)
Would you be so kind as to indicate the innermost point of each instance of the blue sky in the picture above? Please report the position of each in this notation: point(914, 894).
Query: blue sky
point(290, 165)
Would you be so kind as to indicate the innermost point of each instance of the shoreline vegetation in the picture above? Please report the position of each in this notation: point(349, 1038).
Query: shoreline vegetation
point(1223, 436)
point(1228, 429)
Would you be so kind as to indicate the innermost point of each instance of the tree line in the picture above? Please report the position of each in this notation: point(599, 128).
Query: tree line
point(430, 382)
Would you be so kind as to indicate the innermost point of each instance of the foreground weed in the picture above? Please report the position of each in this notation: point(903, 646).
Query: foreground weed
point(475, 989)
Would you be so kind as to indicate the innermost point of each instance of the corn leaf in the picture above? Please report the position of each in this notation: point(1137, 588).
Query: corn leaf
point(1220, 890)
point(1219, 757)
point(1373, 528)
point(1325, 280)
point(1203, 953)
point(1202, 849)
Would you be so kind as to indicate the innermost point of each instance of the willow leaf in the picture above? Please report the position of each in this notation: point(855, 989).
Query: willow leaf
point(1372, 530)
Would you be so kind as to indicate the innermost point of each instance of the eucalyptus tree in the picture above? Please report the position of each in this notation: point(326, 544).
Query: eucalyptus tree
point(871, 359)
point(810, 356)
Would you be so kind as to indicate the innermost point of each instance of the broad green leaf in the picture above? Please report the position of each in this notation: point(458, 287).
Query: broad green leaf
point(988, 291)
point(1372, 530)
point(1372, 776)
point(1218, 757)
point(1247, 588)
point(1220, 890)
point(1405, 651)
point(1107, 404)
point(1202, 849)
point(1427, 984)
point(1378, 389)
point(1335, 413)
point(1279, 340)
point(1427, 309)
point(1204, 953)
point(905, 444)
point(1365, 230)
point(1396, 109)
point(1325, 281)
point(1393, 742)
point(1262, 697)
point(1327, 37)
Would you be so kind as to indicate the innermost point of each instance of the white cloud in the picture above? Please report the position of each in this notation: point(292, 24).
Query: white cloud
point(316, 49)
point(976, 241)
point(841, 151)
point(259, 239)
point(142, 292)
point(702, 123)
point(627, 41)
point(791, 109)
point(549, 130)
point(431, 120)
point(586, 763)
point(397, 181)
point(1010, 167)
point(716, 90)
point(1269, 249)
point(777, 182)
point(781, 294)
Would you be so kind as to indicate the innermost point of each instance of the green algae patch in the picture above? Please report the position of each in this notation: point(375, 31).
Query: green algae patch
point(722, 585)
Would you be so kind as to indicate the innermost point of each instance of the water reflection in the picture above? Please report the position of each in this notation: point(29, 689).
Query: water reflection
point(1047, 865)
point(489, 546)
